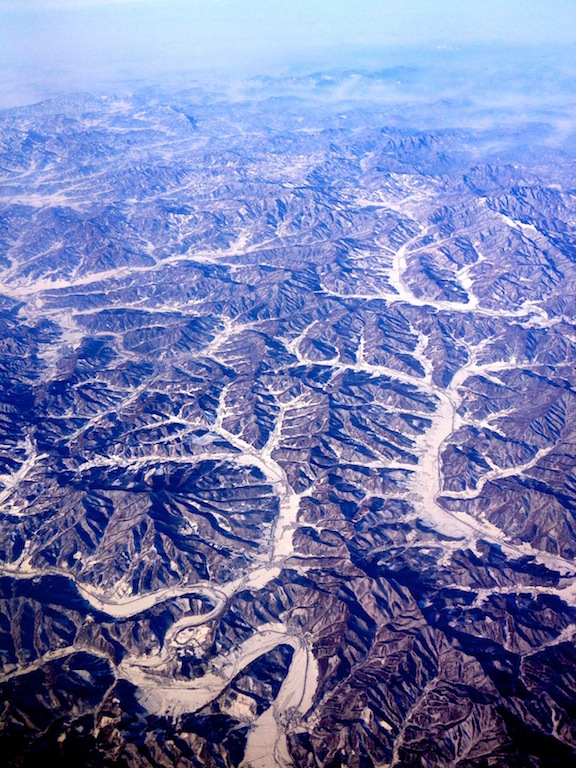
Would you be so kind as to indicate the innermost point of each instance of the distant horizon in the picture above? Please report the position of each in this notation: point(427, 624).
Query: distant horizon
point(54, 47)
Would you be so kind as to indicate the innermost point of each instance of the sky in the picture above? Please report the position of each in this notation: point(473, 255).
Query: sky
point(54, 46)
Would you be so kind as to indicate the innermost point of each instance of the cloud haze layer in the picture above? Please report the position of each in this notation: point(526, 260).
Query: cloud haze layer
point(50, 46)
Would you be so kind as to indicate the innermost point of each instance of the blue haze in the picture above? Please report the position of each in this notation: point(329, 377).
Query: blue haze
point(49, 47)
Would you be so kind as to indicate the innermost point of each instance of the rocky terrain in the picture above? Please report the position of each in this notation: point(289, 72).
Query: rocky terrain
point(288, 437)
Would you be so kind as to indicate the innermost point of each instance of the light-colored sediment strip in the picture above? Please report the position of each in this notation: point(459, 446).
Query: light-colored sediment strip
point(170, 697)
